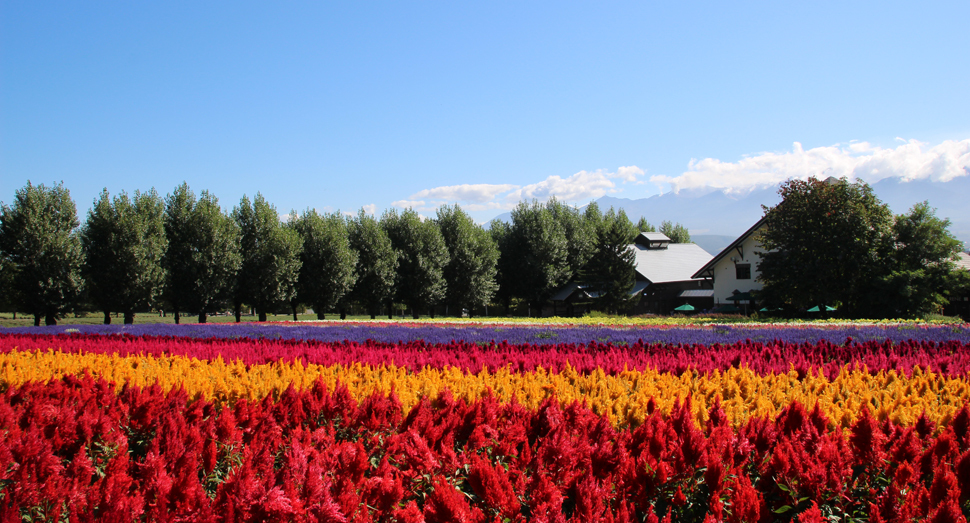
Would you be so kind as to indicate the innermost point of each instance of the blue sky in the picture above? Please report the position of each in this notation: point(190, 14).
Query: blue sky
point(351, 105)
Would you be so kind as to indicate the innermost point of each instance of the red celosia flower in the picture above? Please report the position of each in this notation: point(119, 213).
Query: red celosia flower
point(445, 504)
point(811, 515)
point(491, 483)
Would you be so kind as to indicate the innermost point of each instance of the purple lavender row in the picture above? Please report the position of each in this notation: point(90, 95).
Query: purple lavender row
point(438, 334)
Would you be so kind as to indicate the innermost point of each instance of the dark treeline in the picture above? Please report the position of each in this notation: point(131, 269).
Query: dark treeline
point(183, 254)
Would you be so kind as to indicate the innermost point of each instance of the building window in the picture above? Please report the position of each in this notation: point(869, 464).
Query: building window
point(742, 271)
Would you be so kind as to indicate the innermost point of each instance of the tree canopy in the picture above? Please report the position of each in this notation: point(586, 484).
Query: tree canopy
point(422, 256)
point(919, 272)
point(676, 232)
point(270, 257)
point(823, 245)
point(377, 262)
point(39, 239)
point(611, 273)
point(203, 256)
point(644, 226)
point(473, 255)
point(124, 242)
point(536, 254)
point(328, 262)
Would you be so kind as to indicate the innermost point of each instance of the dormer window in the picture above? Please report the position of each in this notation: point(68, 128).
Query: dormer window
point(652, 240)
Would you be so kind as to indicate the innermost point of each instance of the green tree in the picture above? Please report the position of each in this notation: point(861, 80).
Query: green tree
point(203, 257)
point(677, 233)
point(7, 302)
point(823, 245)
point(422, 256)
point(505, 265)
point(580, 234)
point(537, 254)
point(473, 255)
point(611, 273)
point(593, 217)
point(644, 226)
point(39, 239)
point(270, 257)
point(327, 269)
point(124, 242)
point(376, 263)
point(920, 264)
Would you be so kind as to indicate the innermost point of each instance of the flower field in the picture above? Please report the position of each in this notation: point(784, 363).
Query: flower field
point(410, 423)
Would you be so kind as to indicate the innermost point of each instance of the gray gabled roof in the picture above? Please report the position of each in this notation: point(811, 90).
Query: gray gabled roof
point(677, 262)
point(570, 288)
point(963, 262)
point(707, 270)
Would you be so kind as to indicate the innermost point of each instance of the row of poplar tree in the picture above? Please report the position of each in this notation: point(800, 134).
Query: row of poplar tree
point(183, 253)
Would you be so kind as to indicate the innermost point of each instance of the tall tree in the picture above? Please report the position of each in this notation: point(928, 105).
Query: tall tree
point(611, 273)
point(270, 257)
point(580, 234)
point(537, 245)
point(327, 260)
point(8, 302)
point(124, 242)
point(376, 262)
point(822, 244)
point(677, 233)
point(644, 226)
point(505, 266)
point(39, 239)
point(920, 264)
point(593, 216)
point(203, 257)
point(422, 256)
point(473, 255)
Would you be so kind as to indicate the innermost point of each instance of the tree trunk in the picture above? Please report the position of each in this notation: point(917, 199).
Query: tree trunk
point(107, 318)
point(321, 315)
point(203, 317)
point(262, 316)
point(294, 314)
point(343, 314)
point(50, 319)
point(36, 319)
point(129, 317)
point(238, 312)
point(15, 315)
point(175, 313)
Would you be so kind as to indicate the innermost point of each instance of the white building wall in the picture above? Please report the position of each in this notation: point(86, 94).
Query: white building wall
point(725, 280)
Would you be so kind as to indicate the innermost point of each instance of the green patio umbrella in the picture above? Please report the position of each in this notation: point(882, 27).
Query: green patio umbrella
point(819, 308)
point(685, 308)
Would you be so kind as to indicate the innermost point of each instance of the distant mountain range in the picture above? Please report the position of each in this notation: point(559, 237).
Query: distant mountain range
point(715, 218)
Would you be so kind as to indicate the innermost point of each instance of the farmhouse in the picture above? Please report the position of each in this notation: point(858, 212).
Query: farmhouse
point(734, 271)
point(663, 278)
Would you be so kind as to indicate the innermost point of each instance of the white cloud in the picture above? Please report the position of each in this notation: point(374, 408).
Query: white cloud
point(629, 173)
point(912, 160)
point(481, 192)
point(405, 204)
point(370, 208)
point(579, 187)
point(583, 185)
